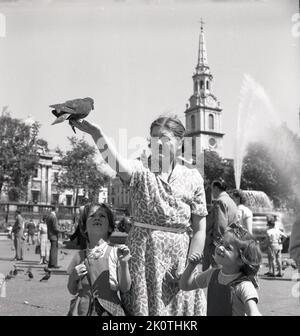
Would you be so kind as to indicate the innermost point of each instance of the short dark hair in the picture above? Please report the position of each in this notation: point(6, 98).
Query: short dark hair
point(18, 212)
point(85, 211)
point(220, 184)
point(172, 124)
point(271, 219)
point(239, 194)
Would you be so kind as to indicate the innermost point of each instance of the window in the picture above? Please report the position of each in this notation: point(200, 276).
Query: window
point(201, 85)
point(55, 198)
point(36, 173)
point(207, 85)
point(69, 200)
point(193, 124)
point(35, 196)
point(211, 121)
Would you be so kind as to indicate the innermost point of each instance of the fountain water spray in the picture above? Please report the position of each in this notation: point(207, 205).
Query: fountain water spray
point(255, 114)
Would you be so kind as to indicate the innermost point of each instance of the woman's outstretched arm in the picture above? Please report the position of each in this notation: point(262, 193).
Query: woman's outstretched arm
point(106, 148)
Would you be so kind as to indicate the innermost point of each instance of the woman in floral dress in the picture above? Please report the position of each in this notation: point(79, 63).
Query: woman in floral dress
point(167, 204)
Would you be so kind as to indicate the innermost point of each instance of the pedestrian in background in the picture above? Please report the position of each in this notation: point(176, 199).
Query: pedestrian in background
point(223, 214)
point(274, 242)
point(245, 215)
point(30, 232)
point(53, 234)
point(43, 241)
point(18, 232)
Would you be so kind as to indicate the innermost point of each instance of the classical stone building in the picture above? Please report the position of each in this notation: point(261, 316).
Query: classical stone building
point(203, 114)
point(42, 187)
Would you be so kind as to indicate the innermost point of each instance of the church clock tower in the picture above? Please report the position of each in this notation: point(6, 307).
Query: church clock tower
point(203, 113)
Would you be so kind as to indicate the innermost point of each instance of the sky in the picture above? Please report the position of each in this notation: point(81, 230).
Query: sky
point(137, 58)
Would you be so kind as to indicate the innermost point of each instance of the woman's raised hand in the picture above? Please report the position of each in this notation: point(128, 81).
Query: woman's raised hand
point(87, 127)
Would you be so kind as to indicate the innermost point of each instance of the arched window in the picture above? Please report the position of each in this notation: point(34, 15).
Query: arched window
point(207, 85)
point(193, 123)
point(211, 121)
point(201, 84)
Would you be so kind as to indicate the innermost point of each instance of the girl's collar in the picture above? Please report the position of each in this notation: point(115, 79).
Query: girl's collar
point(232, 275)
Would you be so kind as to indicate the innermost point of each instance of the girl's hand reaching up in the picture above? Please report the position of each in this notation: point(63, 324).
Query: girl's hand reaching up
point(195, 258)
point(123, 254)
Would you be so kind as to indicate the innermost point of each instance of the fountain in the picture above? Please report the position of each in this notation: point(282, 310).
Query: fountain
point(255, 115)
point(257, 201)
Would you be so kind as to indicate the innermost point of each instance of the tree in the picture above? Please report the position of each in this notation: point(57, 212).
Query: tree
point(214, 168)
point(272, 166)
point(18, 155)
point(80, 170)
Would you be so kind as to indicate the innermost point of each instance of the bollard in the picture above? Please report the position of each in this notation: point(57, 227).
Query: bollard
point(2, 285)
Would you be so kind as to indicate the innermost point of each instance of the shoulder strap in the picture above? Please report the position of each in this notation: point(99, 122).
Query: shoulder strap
point(92, 298)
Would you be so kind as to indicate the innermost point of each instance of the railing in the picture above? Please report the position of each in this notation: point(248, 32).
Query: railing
point(34, 211)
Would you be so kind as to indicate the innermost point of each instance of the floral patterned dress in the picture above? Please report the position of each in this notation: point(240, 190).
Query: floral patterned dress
point(168, 204)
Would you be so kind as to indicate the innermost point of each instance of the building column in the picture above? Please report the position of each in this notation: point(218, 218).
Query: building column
point(49, 178)
point(29, 190)
point(43, 185)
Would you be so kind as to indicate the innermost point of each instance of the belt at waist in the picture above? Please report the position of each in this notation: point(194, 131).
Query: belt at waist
point(160, 228)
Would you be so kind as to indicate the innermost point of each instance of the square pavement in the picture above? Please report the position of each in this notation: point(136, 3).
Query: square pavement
point(26, 297)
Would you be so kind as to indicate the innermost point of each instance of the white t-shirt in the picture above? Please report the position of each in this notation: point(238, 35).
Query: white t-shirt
point(243, 215)
point(244, 291)
point(274, 236)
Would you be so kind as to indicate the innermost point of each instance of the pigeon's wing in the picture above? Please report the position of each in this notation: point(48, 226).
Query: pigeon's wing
point(60, 119)
point(81, 107)
point(63, 108)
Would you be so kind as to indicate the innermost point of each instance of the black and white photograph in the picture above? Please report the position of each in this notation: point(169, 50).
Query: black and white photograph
point(149, 160)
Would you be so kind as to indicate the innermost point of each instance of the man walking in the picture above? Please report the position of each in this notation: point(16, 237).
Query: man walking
point(18, 232)
point(53, 232)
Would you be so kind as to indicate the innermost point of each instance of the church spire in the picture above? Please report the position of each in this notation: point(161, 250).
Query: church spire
point(202, 53)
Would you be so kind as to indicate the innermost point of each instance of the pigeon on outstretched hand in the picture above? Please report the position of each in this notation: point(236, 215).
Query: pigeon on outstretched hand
point(72, 110)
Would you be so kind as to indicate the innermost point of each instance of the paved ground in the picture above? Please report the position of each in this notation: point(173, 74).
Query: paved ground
point(26, 297)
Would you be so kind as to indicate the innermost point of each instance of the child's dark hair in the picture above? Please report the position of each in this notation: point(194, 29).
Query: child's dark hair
point(85, 212)
point(248, 248)
point(239, 194)
point(220, 184)
point(271, 220)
